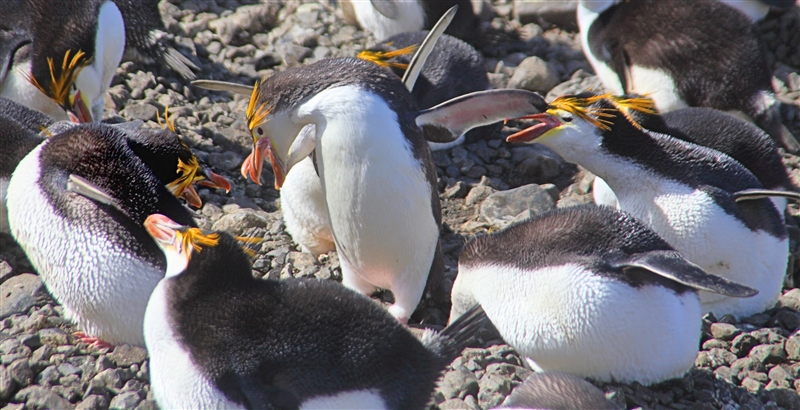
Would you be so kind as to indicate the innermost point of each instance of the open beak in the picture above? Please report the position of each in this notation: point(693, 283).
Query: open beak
point(80, 112)
point(278, 168)
point(253, 163)
point(214, 180)
point(546, 123)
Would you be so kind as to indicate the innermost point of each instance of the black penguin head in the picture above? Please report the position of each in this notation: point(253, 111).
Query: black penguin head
point(57, 81)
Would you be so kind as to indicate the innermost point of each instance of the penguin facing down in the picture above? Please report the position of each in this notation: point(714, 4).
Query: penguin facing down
point(375, 168)
point(94, 257)
point(577, 290)
point(686, 193)
point(220, 338)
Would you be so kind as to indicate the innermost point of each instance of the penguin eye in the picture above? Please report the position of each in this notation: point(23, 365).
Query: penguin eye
point(260, 131)
point(566, 118)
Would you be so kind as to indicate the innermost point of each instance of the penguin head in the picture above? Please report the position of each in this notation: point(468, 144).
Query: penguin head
point(59, 83)
point(189, 172)
point(579, 124)
point(178, 242)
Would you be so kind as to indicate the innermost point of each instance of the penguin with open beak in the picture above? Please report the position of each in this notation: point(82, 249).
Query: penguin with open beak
point(726, 133)
point(694, 197)
point(375, 168)
point(220, 338)
point(699, 54)
point(63, 73)
point(76, 205)
point(578, 290)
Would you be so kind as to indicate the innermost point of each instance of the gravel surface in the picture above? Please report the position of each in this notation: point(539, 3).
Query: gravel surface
point(484, 185)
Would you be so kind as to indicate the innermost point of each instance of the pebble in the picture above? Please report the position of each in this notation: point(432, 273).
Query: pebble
point(20, 293)
point(499, 208)
point(534, 74)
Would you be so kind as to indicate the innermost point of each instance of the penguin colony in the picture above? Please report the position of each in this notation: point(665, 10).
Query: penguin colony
point(690, 218)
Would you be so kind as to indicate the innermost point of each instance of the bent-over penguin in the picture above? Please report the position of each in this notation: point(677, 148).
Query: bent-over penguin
point(684, 192)
point(94, 257)
point(701, 53)
point(376, 170)
point(578, 290)
point(220, 338)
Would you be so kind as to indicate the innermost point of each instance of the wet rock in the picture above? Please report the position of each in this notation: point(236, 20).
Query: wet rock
point(502, 207)
point(20, 293)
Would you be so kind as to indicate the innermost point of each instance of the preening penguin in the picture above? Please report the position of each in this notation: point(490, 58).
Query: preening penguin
point(686, 193)
point(96, 259)
point(557, 391)
point(219, 338)
point(376, 171)
point(700, 54)
point(578, 289)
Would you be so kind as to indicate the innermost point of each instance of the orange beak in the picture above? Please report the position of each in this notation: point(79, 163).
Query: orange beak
point(190, 195)
point(214, 180)
point(253, 163)
point(546, 123)
point(79, 113)
point(161, 228)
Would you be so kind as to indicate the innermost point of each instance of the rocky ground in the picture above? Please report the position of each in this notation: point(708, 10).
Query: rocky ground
point(484, 184)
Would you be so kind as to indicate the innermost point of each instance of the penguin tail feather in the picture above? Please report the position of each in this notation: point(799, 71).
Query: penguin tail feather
point(451, 340)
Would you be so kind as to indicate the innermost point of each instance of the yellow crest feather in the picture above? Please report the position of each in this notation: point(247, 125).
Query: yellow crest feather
point(188, 174)
point(194, 238)
point(382, 58)
point(580, 107)
point(643, 104)
point(256, 116)
point(61, 83)
point(167, 123)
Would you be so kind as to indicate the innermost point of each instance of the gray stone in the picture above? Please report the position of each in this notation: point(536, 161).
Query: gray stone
point(780, 373)
point(37, 397)
point(49, 375)
point(21, 372)
point(236, 28)
point(478, 193)
point(20, 293)
point(144, 112)
point(127, 400)
point(500, 208)
point(54, 336)
point(793, 347)
point(458, 383)
point(127, 355)
point(225, 161)
point(724, 331)
point(768, 354)
point(741, 366)
point(5, 271)
point(93, 402)
point(147, 405)
point(742, 344)
point(301, 260)
point(545, 12)
point(7, 384)
point(790, 299)
point(68, 368)
point(236, 223)
point(458, 190)
point(534, 74)
point(109, 378)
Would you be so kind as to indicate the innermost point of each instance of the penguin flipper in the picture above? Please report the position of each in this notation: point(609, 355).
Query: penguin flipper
point(83, 187)
point(448, 120)
point(215, 85)
point(425, 48)
point(386, 7)
point(751, 194)
point(672, 265)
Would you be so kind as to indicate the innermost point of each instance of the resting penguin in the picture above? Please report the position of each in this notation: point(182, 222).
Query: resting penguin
point(699, 54)
point(93, 255)
point(146, 38)
point(385, 18)
point(219, 338)
point(578, 290)
point(376, 171)
point(726, 133)
point(65, 72)
point(16, 141)
point(452, 69)
point(688, 194)
point(557, 391)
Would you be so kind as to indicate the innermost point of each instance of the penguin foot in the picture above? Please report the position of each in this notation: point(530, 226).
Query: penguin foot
point(92, 341)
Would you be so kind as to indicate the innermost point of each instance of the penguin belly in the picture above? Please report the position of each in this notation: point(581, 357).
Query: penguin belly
point(3, 208)
point(569, 319)
point(379, 201)
point(303, 209)
point(720, 244)
point(410, 17)
point(89, 270)
point(175, 379)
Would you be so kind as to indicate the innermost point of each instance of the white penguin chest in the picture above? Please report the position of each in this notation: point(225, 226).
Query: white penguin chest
point(410, 17)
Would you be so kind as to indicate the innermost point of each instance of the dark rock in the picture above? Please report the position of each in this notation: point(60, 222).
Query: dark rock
point(20, 293)
point(742, 344)
point(458, 190)
point(37, 397)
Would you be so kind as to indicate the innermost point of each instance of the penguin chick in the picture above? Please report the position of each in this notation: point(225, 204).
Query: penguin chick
point(686, 193)
point(96, 260)
point(375, 168)
point(452, 69)
point(386, 18)
point(726, 133)
point(577, 290)
point(146, 38)
point(16, 141)
point(557, 391)
point(63, 73)
point(220, 338)
point(700, 54)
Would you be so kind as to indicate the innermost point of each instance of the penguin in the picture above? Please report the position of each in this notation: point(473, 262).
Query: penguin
point(452, 69)
point(31, 119)
point(726, 133)
point(376, 170)
point(146, 38)
point(94, 257)
point(219, 338)
point(577, 290)
point(700, 54)
point(686, 193)
point(63, 73)
point(16, 141)
point(386, 18)
point(757, 10)
point(557, 391)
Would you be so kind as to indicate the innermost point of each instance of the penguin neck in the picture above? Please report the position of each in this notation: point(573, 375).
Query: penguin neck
point(215, 268)
point(15, 143)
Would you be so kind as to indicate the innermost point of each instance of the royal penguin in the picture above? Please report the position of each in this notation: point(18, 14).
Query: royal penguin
point(726, 133)
point(376, 171)
point(16, 141)
point(452, 69)
point(76, 206)
point(690, 195)
point(31, 119)
point(699, 54)
point(577, 290)
point(60, 60)
point(390, 17)
point(147, 40)
point(219, 338)
point(557, 391)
